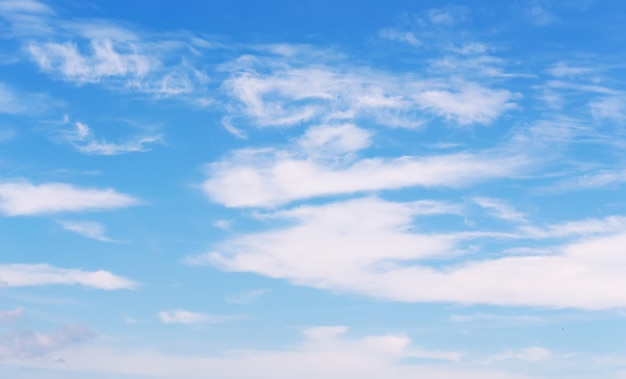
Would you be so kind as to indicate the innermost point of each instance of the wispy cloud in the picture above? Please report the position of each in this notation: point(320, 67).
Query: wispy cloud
point(7, 134)
point(529, 354)
point(181, 316)
point(612, 108)
point(84, 141)
point(29, 344)
point(22, 275)
point(102, 52)
point(10, 315)
point(102, 62)
point(499, 208)
point(466, 318)
point(22, 198)
point(591, 226)
point(232, 129)
point(246, 297)
point(446, 16)
point(25, 18)
point(16, 102)
point(88, 229)
point(279, 91)
point(399, 36)
point(538, 14)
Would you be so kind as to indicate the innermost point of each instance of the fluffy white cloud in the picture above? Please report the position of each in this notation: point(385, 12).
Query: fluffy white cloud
point(372, 247)
point(21, 198)
point(22, 275)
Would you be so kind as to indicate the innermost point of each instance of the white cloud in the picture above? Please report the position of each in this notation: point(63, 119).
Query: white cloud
point(7, 134)
point(298, 92)
point(500, 209)
point(399, 36)
point(324, 352)
point(365, 231)
point(23, 275)
point(8, 101)
point(10, 315)
point(529, 354)
point(599, 179)
point(181, 316)
point(21, 198)
point(469, 104)
point(84, 141)
point(329, 140)
point(16, 102)
point(591, 226)
point(246, 297)
point(88, 229)
point(30, 344)
point(230, 128)
point(373, 247)
point(104, 61)
point(563, 69)
point(324, 162)
point(492, 317)
point(110, 54)
point(223, 224)
point(25, 18)
point(447, 16)
point(539, 15)
point(268, 177)
point(26, 6)
point(612, 108)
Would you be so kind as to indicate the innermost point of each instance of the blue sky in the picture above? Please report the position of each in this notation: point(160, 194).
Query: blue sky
point(311, 189)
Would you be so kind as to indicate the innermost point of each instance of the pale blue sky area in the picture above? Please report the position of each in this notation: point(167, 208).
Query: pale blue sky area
point(313, 189)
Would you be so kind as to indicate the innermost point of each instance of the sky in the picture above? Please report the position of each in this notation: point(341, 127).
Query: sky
point(338, 189)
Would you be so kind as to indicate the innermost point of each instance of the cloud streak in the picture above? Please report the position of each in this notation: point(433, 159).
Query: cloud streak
point(25, 275)
point(181, 316)
point(321, 164)
point(22, 198)
point(87, 229)
point(83, 140)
